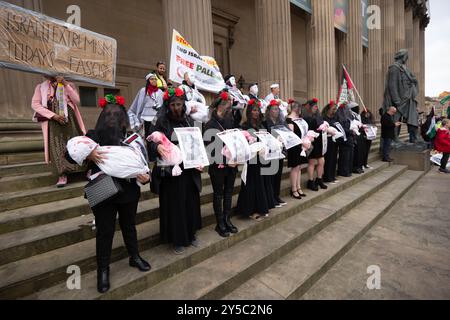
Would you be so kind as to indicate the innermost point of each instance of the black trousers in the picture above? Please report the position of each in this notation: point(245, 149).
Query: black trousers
point(358, 152)
point(345, 163)
point(331, 161)
point(276, 180)
point(223, 186)
point(444, 160)
point(366, 152)
point(105, 222)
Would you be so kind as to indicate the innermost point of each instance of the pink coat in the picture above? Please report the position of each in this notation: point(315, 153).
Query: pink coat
point(72, 98)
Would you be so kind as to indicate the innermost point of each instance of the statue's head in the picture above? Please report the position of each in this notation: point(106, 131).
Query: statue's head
point(402, 56)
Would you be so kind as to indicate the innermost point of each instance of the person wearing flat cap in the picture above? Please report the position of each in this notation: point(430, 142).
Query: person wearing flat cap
point(144, 109)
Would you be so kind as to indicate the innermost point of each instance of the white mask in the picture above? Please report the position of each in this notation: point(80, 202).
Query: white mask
point(232, 81)
point(254, 90)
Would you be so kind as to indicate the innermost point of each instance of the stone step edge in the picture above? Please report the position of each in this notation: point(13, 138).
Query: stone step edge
point(308, 203)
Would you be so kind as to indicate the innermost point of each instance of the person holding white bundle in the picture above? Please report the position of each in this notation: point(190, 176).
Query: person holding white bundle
point(196, 106)
point(275, 95)
point(111, 130)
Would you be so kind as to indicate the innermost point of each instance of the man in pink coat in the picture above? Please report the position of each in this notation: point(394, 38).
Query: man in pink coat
point(55, 102)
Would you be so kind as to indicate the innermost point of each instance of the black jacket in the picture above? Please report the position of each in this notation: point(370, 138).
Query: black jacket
point(387, 127)
point(166, 126)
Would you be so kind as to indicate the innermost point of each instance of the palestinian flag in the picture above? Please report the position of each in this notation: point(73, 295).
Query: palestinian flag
point(346, 92)
point(428, 129)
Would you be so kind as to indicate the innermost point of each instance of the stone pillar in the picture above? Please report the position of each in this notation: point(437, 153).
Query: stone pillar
point(388, 28)
point(322, 52)
point(416, 48)
point(274, 43)
point(399, 24)
point(409, 35)
point(373, 71)
point(422, 71)
point(18, 88)
point(193, 19)
point(353, 45)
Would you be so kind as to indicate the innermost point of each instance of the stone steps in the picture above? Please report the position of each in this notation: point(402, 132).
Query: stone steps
point(23, 169)
point(228, 269)
point(307, 263)
point(19, 281)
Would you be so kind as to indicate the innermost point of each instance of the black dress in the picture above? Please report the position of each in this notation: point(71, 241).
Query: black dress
point(253, 195)
point(331, 157)
point(179, 197)
point(295, 158)
point(314, 122)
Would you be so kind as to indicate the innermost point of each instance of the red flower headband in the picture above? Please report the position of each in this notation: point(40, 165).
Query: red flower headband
point(291, 101)
point(274, 103)
point(111, 99)
point(315, 100)
point(178, 92)
point(254, 102)
point(332, 103)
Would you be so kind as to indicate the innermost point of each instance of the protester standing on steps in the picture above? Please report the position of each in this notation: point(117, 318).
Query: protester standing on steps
point(358, 150)
point(274, 118)
point(388, 127)
point(331, 156)
point(442, 144)
point(161, 75)
point(297, 124)
point(179, 196)
point(345, 144)
point(316, 158)
point(223, 175)
point(111, 130)
point(252, 201)
point(368, 120)
point(55, 104)
point(146, 105)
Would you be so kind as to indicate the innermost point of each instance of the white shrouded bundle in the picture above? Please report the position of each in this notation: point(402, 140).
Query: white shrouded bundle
point(202, 114)
point(121, 162)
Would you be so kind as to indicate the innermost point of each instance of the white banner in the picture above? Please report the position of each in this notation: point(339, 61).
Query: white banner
point(184, 58)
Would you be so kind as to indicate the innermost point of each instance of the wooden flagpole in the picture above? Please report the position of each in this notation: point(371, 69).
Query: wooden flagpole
point(356, 89)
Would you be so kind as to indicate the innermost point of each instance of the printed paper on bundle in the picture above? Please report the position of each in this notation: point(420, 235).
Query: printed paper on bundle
point(192, 147)
point(288, 137)
point(237, 144)
point(272, 147)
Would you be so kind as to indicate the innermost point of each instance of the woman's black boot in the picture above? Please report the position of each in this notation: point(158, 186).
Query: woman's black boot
point(103, 280)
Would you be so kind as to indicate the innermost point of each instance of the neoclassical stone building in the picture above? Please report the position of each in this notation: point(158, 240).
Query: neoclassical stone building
point(300, 44)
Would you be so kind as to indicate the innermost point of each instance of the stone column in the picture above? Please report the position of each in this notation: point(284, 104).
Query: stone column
point(416, 48)
point(422, 70)
point(353, 45)
point(409, 35)
point(274, 42)
point(388, 28)
point(193, 19)
point(373, 71)
point(322, 52)
point(399, 24)
point(18, 87)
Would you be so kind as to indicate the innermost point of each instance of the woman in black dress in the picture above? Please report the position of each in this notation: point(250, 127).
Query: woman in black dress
point(297, 124)
point(179, 197)
point(252, 201)
point(111, 130)
point(316, 159)
point(346, 144)
point(223, 175)
point(331, 157)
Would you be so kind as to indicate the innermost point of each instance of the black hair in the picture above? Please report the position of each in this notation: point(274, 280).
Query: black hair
point(247, 119)
point(160, 63)
point(112, 125)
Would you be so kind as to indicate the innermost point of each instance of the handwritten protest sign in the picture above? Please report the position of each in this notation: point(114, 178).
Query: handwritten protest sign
point(36, 43)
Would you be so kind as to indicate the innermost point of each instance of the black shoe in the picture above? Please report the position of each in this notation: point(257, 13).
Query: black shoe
point(141, 264)
point(103, 285)
point(299, 197)
point(320, 183)
point(229, 225)
point(300, 192)
point(222, 231)
point(312, 185)
point(281, 202)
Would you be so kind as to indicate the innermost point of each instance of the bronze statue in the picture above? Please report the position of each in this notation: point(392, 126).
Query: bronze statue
point(401, 91)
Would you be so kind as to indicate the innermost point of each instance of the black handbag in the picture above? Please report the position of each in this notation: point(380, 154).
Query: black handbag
point(101, 189)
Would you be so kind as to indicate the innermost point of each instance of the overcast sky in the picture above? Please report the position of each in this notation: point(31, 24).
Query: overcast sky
point(437, 48)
